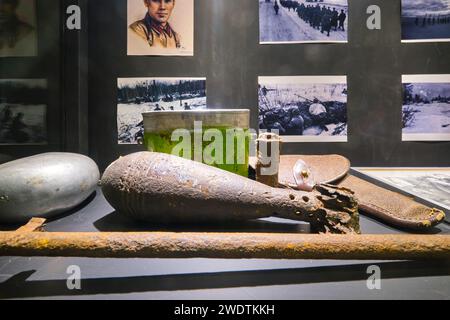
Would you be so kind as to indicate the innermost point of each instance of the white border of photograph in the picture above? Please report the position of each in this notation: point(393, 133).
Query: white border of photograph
point(300, 42)
point(417, 40)
point(314, 138)
point(425, 137)
point(305, 41)
point(431, 40)
point(425, 78)
point(306, 79)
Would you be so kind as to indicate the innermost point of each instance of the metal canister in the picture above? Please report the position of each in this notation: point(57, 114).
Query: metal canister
point(45, 185)
point(194, 134)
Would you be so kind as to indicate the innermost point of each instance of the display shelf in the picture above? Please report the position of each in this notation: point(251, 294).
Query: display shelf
point(38, 277)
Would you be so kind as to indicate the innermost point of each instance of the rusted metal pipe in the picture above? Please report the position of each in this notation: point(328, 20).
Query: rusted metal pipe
point(225, 245)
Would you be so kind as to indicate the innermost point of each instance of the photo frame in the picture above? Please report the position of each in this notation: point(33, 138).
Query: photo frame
point(290, 22)
point(140, 95)
point(426, 107)
point(425, 20)
point(304, 108)
point(19, 36)
point(160, 28)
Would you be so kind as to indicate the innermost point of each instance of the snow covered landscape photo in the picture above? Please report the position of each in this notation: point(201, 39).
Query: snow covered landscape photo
point(304, 108)
point(426, 108)
point(23, 111)
point(425, 20)
point(303, 21)
point(140, 95)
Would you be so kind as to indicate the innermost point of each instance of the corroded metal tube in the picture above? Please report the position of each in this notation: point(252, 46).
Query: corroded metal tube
point(158, 187)
point(225, 245)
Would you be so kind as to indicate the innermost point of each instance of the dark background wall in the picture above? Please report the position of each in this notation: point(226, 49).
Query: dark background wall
point(46, 65)
point(228, 54)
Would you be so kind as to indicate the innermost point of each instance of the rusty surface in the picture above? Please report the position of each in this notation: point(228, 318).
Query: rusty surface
point(35, 224)
point(268, 145)
point(225, 245)
point(163, 188)
point(386, 205)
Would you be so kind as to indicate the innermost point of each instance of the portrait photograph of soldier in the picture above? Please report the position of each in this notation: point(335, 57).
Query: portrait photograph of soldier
point(425, 20)
point(303, 21)
point(23, 111)
point(139, 95)
point(304, 108)
point(161, 27)
point(18, 34)
point(426, 107)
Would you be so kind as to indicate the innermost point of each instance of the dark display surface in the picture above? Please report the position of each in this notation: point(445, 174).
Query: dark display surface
point(228, 54)
point(216, 278)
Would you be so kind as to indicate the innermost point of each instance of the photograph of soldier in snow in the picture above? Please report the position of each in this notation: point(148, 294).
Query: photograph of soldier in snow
point(426, 108)
point(304, 108)
point(138, 95)
point(23, 111)
point(425, 20)
point(290, 21)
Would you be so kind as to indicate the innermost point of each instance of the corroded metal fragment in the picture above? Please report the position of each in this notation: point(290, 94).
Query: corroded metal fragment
point(163, 188)
point(225, 245)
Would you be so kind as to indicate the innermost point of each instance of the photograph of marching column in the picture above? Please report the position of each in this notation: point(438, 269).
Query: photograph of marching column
point(304, 108)
point(425, 20)
point(426, 108)
point(23, 111)
point(303, 21)
point(138, 95)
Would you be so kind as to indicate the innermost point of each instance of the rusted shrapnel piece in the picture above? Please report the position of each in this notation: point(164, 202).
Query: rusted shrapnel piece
point(225, 245)
point(158, 187)
point(268, 148)
point(34, 225)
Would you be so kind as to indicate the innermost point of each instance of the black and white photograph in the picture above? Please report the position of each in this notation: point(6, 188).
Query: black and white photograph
point(425, 20)
point(160, 27)
point(430, 184)
point(140, 95)
point(426, 108)
point(303, 21)
point(23, 111)
point(304, 108)
point(18, 31)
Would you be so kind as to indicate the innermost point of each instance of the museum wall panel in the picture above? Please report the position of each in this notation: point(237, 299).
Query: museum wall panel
point(227, 52)
point(33, 61)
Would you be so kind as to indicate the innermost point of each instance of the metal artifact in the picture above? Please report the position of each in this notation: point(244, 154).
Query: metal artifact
point(29, 241)
point(268, 148)
point(45, 185)
point(163, 130)
point(386, 205)
point(158, 187)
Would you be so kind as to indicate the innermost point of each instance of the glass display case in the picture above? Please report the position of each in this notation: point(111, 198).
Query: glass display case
point(362, 109)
